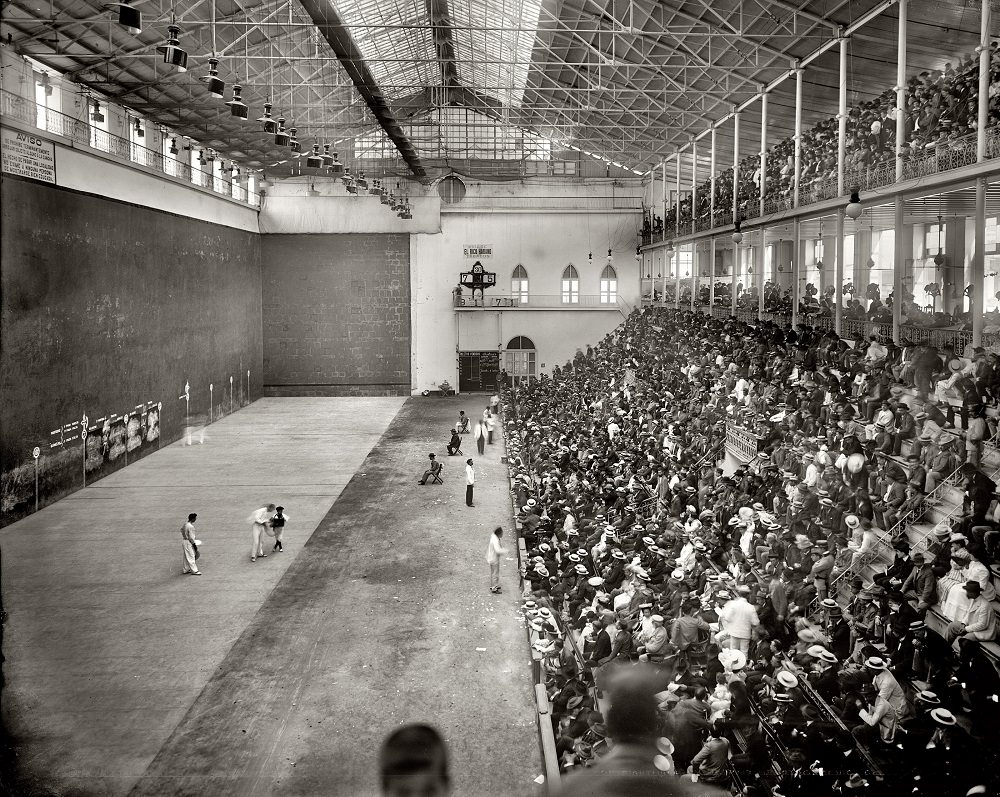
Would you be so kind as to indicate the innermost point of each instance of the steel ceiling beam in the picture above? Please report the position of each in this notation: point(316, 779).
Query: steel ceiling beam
point(331, 27)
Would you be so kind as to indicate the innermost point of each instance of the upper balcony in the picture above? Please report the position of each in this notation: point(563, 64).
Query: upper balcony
point(535, 301)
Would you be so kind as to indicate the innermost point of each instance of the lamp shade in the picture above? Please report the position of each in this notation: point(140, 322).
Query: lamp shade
point(853, 209)
point(237, 107)
point(315, 160)
point(293, 142)
point(173, 55)
point(281, 137)
point(216, 87)
point(270, 126)
point(129, 17)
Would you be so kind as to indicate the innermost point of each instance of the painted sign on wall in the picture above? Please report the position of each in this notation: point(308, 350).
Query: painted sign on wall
point(478, 251)
point(29, 156)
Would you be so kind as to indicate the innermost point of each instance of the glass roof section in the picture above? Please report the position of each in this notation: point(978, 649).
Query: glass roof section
point(492, 39)
point(494, 59)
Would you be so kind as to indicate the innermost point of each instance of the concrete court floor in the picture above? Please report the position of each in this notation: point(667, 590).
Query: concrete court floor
point(279, 677)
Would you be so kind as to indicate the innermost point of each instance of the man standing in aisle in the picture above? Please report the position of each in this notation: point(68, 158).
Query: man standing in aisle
point(187, 541)
point(470, 481)
point(260, 519)
point(493, 554)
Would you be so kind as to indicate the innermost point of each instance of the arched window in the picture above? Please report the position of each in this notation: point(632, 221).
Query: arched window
point(570, 285)
point(519, 284)
point(519, 359)
point(609, 285)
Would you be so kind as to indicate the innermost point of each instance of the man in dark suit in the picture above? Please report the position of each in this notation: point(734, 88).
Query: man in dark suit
point(455, 444)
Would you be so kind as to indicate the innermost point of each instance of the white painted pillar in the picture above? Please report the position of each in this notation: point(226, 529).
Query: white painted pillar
point(901, 105)
point(763, 150)
point(978, 304)
point(898, 264)
point(984, 90)
point(798, 137)
point(712, 174)
point(736, 169)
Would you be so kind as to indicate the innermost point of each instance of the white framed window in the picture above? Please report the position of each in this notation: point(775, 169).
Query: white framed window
point(519, 357)
point(570, 287)
point(519, 284)
point(609, 285)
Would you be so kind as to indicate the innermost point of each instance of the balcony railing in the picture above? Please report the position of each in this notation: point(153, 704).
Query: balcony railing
point(936, 336)
point(741, 443)
point(79, 131)
point(536, 301)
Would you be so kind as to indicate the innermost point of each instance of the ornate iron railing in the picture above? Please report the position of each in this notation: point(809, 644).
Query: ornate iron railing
point(937, 336)
point(741, 442)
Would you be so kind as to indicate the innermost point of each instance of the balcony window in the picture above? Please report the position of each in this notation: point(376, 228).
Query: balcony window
point(570, 285)
point(519, 284)
point(609, 285)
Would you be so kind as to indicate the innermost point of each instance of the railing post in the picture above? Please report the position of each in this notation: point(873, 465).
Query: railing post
point(798, 137)
point(712, 186)
point(763, 149)
point(663, 187)
point(977, 302)
point(759, 282)
point(736, 258)
point(901, 111)
point(897, 263)
point(736, 169)
point(711, 262)
point(984, 92)
point(694, 186)
point(838, 312)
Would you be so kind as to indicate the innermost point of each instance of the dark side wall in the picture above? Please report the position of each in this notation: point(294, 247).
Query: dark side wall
point(336, 314)
point(108, 310)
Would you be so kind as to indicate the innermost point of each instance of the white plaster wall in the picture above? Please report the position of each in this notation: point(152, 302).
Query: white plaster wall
point(532, 226)
point(82, 170)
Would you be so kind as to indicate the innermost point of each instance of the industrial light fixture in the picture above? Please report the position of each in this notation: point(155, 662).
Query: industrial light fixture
point(405, 212)
point(853, 209)
point(386, 197)
point(293, 141)
point(129, 17)
point(46, 84)
point(139, 132)
point(376, 189)
point(281, 137)
point(638, 254)
point(95, 113)
point(216, 86)
point(361, 181)
point(173, 146)
point(237, 107)
point(669, 251)
point(610, 258)
point(201, 157)
point(315, 160)
point(737, 233)
point(939, 258)
point(337, 166)
point(270, 126)
point(173, 55)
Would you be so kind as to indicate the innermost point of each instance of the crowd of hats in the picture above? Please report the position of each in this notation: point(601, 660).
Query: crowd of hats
point(627, 520)
point(941, 107)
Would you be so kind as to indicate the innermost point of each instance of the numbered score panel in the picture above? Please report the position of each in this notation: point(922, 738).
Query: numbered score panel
point(478, 371)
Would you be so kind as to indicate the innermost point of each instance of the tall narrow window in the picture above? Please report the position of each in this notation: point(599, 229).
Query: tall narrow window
point(519, 285)
point(609, 285)
point(570, 285)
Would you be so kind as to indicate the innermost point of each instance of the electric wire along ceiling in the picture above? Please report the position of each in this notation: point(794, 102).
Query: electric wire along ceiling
point(626, 81)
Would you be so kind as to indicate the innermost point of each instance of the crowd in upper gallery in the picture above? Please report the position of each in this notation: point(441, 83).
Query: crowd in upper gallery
point(941, 108)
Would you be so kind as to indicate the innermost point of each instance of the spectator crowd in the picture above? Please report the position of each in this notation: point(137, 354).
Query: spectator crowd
point(811, 629)
point(941, 108)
